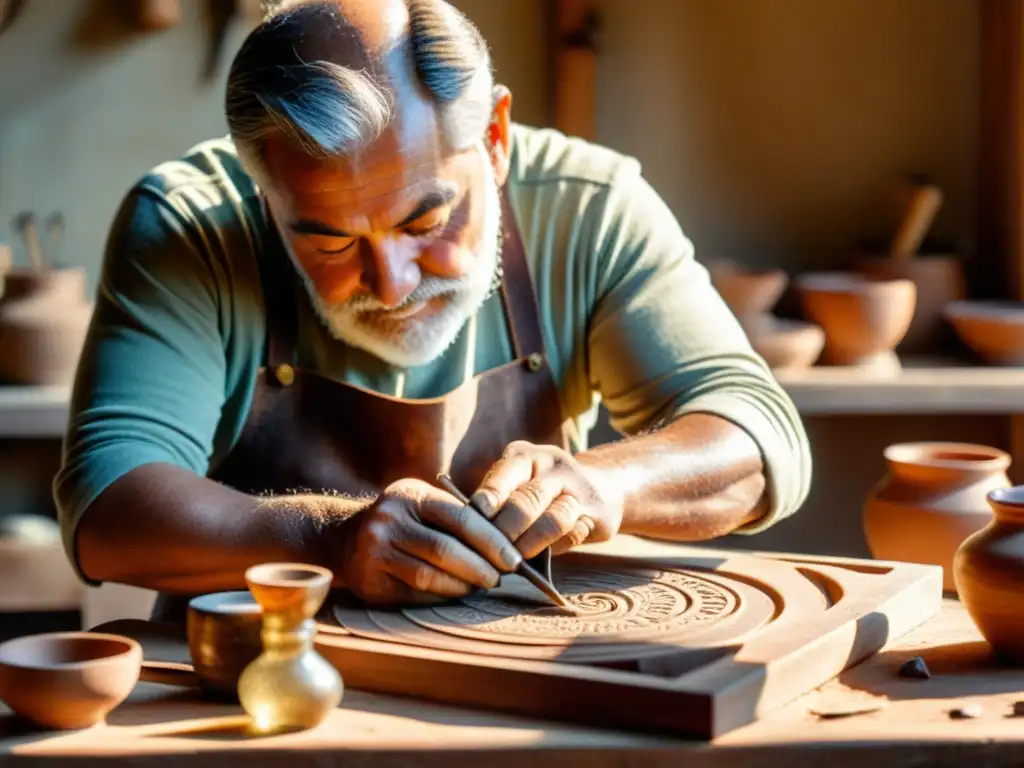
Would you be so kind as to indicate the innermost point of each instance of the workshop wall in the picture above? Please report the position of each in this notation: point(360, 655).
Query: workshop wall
point(771, 128)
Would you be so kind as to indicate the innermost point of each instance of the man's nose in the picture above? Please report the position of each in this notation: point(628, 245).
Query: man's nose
point(390, 268)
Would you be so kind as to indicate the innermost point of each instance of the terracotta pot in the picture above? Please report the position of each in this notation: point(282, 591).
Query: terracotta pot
point(68, 680)
point(993, 330)
point(750, 294)
point(863, 318)
point(44, 318)
point(931, 499)
point(786, 344)
point(939, 281)
point(989, 571)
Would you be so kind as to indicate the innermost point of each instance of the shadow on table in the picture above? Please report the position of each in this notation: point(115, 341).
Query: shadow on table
point(957, 669)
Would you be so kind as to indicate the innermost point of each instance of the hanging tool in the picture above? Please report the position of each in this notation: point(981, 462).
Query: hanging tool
point(25, 224)
point(9, 11)
point(220, 14)
point(55, 236)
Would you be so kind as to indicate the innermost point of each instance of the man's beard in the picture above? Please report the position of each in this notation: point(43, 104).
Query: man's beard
point(366, 323)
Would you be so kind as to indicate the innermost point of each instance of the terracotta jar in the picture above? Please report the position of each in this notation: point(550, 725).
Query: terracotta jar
point(932, 498)
point(989, 572)
point(44, 318)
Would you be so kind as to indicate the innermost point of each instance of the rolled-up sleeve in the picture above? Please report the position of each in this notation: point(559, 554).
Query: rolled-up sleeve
point(151, 381)
point(662, 342)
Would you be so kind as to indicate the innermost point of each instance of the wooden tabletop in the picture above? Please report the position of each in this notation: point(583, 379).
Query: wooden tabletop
point(162, 726)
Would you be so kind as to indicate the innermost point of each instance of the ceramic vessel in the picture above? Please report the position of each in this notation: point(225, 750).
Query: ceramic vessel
point(993, 330)
point(68, 680)
point(863, 318)
point(223, 632)
point(35, 574)
point(289, 686)
point(787, 344)
point(932, 498)
point(750, 294)
point(938, 281)
point(44, 319)
point(989, 572)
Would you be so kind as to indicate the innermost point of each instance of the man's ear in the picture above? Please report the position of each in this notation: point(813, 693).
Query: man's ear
point(499, 133)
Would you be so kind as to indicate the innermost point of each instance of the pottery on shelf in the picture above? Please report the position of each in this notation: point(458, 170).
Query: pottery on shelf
point(223, 631)
point(290, 686)
point(750, 294)
point(787, 344)
point(938, 280)
point(32, 554)
point(993, 330)
point(864, 318)
point(44, 319)
point(68, 680)
point(989, 571)
point(933, 496)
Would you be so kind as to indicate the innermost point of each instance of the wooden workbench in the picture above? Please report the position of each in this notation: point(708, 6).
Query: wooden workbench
point(159, 726)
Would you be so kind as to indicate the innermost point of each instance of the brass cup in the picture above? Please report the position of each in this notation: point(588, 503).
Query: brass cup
point(223, 639)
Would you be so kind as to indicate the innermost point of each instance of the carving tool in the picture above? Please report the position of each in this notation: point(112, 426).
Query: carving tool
point(524, 569)
point(26, 225)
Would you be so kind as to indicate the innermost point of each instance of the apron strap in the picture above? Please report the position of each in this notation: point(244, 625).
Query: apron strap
point(517, 293)
point(279, 286)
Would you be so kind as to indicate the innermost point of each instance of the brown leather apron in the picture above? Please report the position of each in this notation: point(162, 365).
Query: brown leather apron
point(305, 432)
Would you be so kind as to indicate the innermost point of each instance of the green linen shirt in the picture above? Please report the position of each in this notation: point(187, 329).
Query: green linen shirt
point(629, 318)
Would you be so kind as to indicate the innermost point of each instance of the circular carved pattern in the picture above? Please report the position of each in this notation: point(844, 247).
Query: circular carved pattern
point(630, 604)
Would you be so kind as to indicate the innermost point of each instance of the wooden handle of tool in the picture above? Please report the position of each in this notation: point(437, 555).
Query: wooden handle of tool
point(169, 673)
point(924, 205)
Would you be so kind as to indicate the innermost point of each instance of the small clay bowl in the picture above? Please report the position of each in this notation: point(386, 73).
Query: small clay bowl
point(748, 293)
point(864, 318)
point(787, 344)
point(223, 631)
point(68, 680)
point(939, 279)
point(993, 330)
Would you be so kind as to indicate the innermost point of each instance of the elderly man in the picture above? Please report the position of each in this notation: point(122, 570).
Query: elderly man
point(378, 277)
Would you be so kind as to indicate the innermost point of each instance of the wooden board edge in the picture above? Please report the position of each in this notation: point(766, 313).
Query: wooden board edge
point(534, 689)
point(856, 630)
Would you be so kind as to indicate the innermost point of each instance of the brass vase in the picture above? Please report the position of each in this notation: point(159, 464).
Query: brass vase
point(289, 686)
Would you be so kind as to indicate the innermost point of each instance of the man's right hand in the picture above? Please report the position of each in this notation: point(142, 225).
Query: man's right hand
point(418, 544)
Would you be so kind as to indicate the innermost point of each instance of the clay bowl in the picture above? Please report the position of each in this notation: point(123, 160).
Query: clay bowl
point(748, 293)
point(223, 632)
point(68, 680)
point(787, 344)
point(939, 279)
point(864, 318)
point(993, 330)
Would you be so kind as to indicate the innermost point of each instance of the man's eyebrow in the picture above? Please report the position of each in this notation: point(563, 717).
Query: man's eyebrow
point(314, 227)
point(432, 200)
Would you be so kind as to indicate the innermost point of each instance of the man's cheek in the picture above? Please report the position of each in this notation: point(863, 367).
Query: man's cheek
point(334, 282)
point(447, 259)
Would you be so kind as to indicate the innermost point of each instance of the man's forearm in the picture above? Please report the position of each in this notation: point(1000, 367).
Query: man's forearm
point(164, 528)
point(695, 479)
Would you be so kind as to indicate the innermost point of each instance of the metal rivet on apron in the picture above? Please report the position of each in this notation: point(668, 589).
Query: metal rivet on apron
point(285, 374)
point(535, 361)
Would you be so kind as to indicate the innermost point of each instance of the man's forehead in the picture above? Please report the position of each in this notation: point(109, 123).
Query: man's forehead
point(395, 155)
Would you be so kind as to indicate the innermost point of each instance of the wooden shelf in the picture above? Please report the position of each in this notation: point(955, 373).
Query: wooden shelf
point(33, 411)
point(924, 386)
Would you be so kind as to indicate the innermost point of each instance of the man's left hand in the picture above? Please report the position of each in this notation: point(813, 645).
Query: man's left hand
point(540, 496)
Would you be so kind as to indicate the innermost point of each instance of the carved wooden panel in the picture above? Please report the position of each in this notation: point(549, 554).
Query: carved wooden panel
point(662, 637)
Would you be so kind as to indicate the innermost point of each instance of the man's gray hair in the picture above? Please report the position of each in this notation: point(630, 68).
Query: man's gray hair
point(329, 109)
